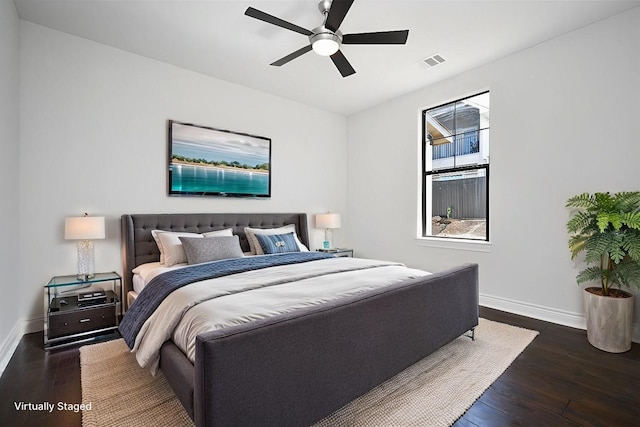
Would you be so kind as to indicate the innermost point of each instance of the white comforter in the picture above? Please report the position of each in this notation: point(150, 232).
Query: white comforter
point(239, 298)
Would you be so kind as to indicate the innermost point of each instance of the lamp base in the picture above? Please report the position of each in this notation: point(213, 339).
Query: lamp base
point(86, 263)
point(328, 239)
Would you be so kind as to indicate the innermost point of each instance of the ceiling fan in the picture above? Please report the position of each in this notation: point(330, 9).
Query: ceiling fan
point(326, 39)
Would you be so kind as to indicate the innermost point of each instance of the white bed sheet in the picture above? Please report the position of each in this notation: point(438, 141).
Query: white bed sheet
point(144, 273)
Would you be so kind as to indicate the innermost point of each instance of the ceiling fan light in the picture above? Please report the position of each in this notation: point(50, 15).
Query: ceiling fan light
point(325, 44)
point(325, 47)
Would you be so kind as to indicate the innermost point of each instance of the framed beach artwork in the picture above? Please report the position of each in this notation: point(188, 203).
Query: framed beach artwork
point(205, 161)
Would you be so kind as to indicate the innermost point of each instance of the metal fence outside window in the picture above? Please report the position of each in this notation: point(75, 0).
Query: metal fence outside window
point(467, 198)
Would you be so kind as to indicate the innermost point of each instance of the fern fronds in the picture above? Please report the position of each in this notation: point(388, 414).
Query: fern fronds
point(591, 274)
point(616, 251)
point(597, 246)
point(627, 200)
point(579, 222)
point(584, 200)
point(604, 201)
point(626, 274)
point(605, 218)
point(631, 219)
point(576, 244)
point(632, 246)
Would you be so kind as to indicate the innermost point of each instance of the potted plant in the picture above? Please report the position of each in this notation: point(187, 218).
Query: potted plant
point(606, 228)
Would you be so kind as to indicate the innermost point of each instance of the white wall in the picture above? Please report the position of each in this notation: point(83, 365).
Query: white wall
point(93, 139)
point(9, 177)
point(564, 120)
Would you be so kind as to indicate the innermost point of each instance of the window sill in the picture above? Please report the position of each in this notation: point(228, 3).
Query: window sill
point(456, 244)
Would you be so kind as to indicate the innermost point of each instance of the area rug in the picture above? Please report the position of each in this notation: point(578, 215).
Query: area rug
point(436, 391)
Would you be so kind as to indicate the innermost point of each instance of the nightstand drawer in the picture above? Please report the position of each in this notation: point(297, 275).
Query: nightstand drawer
point(84, 320)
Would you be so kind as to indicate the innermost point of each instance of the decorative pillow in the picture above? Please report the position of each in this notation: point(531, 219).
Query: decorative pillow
point(256, 249)
point(208, 249)
point(171, 245)
point(223, 232)
point(168, 242)
point(278, 243)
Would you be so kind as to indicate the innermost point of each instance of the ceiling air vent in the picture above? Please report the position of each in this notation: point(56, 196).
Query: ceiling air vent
point(434, 60)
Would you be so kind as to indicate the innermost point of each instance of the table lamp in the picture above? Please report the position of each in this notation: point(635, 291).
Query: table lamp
point(84, 229)
point(328, 221)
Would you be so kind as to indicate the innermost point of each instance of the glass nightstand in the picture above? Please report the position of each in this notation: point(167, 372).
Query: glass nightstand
point(341, 252)
point(81, 310)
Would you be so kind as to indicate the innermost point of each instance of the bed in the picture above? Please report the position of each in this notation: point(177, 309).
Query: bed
point(297, 367)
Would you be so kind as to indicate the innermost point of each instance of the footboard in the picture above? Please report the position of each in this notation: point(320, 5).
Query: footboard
point(294, 370)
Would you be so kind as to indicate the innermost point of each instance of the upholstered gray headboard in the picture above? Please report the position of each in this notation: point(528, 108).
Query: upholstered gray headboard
point(138, 246)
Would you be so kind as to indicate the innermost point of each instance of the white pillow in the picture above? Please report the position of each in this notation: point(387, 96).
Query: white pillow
point(170, 246)
point(256, 249)
point(225, 232)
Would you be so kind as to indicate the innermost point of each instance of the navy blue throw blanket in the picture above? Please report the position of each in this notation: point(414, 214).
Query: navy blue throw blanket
point(162, 285)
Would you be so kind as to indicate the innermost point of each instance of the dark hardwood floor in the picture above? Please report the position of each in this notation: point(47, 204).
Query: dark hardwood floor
point(559, 380)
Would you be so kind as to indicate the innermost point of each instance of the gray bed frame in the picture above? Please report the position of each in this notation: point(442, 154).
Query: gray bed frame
point(297, 368)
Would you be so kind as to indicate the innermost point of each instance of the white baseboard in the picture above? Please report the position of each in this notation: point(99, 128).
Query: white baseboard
point(560, 317)
point(540, 312)
point(9, 346)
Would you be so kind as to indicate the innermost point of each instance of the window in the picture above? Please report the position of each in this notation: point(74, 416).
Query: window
point(455, 169)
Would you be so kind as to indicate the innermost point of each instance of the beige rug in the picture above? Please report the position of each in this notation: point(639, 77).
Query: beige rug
point(434, 392)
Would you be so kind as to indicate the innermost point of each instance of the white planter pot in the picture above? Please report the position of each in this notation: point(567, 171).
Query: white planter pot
point(609, 321)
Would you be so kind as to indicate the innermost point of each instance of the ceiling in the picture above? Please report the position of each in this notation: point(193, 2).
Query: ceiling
point(216, 39)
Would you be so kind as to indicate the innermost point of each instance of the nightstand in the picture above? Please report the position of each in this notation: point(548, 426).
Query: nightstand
point(81, 310)
point(340, 252)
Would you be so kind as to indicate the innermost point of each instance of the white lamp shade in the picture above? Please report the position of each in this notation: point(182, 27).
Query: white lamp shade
point(84, 228)
point(328, 220)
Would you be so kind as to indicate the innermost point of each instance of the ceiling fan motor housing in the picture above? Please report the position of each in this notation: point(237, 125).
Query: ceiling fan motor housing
point(324, 41)
point(324, 6)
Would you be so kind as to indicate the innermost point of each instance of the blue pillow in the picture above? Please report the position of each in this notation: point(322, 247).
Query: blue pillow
point(277, 243)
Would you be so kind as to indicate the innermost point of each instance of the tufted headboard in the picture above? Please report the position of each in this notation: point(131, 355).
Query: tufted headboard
point(138, 246)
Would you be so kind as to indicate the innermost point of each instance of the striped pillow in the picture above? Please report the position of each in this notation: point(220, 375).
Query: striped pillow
point(277, 243)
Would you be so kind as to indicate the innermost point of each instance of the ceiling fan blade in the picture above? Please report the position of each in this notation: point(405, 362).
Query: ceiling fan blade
point(382, 37)
point(342, 64)
point(291, 56)
point(258, 14)
point(337, 12)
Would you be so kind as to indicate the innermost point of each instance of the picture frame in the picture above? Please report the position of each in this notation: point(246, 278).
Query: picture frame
point(206, 161)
